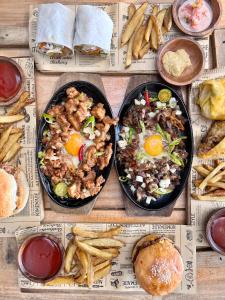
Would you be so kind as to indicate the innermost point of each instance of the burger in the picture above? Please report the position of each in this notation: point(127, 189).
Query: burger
point(14, 190)
point(158, 265)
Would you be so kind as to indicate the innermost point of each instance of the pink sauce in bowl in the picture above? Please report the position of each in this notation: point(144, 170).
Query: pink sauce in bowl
point(195, 15)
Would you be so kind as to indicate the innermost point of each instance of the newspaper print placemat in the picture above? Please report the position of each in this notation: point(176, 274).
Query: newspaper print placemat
point(33, 213)
point(201, 210)
point(121, 277)
point(115, 62)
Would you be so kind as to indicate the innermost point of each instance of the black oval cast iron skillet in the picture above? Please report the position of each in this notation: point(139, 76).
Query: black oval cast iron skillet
point(59, 96)
point(165, 200)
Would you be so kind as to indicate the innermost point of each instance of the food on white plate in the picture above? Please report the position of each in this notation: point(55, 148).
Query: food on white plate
point(210, 186)
point(195, 15)
point(76, 145)
point(55, 30)
point(141, 35)
point(213, 144)
point(93, 31)
point(211, 99)
point(14, 190)
point(151, 148)
point(175, 63)
point(88, 260)
point(158, 265)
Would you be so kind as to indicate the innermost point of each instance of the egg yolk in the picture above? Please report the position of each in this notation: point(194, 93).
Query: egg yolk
point(73, 145)
point(153, 145)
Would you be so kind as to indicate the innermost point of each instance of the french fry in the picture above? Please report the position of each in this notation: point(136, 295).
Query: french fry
point(167, 21)
point(101, 265)
point(201, 170)
point(82, 256)
point(4, 136)
point(104, 243)
point(130, 27)
point(217, 177)
point(61, 280)
point(97, 260)
point(12, 152)
point(11, 141)
point(143, 51)
point(197, 182)
point(207, 197)
point(208, 167)
point(158, 22)
point(130, 44)
point(102, 273)
point(11, 119)
point(218, 184)
point(153, 37)
point(131, 11)
point(90, 271)
point(94, 251)
point(150, 24)
point(114, 251)
point(96, 234)
point(70, 252)
point(23, 101)
point(211, 175)
point(138, 39)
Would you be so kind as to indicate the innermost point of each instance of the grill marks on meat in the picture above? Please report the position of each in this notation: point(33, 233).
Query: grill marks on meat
point(58, 166)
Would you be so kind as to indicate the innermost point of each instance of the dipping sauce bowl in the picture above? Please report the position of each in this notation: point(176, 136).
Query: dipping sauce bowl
point(40, 257)
point(215, 231)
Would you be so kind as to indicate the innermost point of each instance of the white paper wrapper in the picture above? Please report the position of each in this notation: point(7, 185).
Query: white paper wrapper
point(56, 25)
point(93, 29)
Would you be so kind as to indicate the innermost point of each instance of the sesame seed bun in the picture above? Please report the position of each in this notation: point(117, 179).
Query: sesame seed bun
point(157, 264)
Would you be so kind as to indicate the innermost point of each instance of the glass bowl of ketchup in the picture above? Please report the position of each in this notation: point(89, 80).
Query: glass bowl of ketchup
point(40, 257)
point(215, 231)
point(11, 81)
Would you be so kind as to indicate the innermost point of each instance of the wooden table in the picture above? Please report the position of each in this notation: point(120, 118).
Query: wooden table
point(109, 206)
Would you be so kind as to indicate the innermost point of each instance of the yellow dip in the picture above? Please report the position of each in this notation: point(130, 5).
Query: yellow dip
point(176, 62)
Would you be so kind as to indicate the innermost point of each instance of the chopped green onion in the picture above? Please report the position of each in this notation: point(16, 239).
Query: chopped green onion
point(46, 133)
point(123, 178)
point(175, 143)
point(141, 155)
point(90, 121)
point(48, 118)
point(131, 133)
point(162, 191)
point(163, 133)
point(142, 127)
point(41, 154)
point(176, 159)
point(60, 189)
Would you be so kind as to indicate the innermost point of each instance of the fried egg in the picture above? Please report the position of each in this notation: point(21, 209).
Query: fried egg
point(152, 145)
point(73, 145)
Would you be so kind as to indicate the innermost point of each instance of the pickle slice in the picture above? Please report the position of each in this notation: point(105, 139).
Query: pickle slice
point(61, 189)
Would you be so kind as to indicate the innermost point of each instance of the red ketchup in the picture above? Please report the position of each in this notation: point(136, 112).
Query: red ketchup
point(218, 232)
point(42, 257)
point(10, 80)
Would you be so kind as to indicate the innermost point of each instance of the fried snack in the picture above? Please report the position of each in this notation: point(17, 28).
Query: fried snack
point(90, 271)
point(23, 101)
point(130, 44)
point(96, 234)
point(144, 50)
point(12, 152)
point(201, 170)
point(94, 251)
point(60, 281)
point(11, 119)
point(153, 37)
point(102, 273)
point(158, 26)
point(101, 265)
point(104, 243)
point(9, 144)
point(131, 11)
point(97, 260)
point(208, 197)
point(167, 21)
point(150, 24)
point(70, 252)
point(130, 27)
point(216, 178)
point(211, 175)
point(4, 136)
point(138, 39)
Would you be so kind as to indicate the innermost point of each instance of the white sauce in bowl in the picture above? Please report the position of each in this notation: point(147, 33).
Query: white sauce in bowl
point(195, 15)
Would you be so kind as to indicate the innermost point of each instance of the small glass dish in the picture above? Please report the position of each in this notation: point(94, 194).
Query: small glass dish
point(214, 217)
point(29, 255)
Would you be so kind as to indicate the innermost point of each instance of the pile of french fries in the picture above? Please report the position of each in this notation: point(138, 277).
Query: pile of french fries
point(211, 183)
point(89, 256)
point(9, 135)
point(141, 35)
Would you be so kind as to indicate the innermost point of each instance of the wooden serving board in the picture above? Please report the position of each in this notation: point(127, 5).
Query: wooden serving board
point(219, 48)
